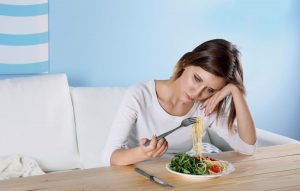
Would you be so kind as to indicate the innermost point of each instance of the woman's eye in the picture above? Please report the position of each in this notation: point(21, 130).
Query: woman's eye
point(197, 79)
point(210, 90)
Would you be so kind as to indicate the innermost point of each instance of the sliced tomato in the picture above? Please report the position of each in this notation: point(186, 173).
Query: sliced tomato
point(215, 168)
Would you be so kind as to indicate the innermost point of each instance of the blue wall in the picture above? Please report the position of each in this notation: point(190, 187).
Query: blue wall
point(119, 43)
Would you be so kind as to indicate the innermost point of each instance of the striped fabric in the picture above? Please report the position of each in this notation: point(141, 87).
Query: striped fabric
point(23, 36)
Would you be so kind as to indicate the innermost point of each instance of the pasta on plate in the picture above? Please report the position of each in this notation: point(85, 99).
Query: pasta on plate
point(197, 164)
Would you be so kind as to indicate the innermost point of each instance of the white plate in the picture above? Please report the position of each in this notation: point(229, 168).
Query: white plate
point(230, 169)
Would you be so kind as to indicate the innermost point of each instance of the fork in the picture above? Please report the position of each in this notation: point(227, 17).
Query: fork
point(186, 122)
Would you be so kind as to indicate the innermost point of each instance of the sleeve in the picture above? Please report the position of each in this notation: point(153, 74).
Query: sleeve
point(124, 120)
point(232, 138)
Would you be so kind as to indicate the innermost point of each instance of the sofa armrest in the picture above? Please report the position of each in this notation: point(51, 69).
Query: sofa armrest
point(267, 138)
point(264, 138)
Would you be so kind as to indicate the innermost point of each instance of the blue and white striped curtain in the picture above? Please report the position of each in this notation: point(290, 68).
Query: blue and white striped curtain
point(23, 36)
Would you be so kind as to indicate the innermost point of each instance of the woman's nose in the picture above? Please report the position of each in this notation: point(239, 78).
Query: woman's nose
point(197, 91)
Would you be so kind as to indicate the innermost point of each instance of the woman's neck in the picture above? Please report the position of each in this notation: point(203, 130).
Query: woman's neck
point(168, 94)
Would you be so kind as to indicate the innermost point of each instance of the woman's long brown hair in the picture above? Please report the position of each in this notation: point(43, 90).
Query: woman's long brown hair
point(222, 59)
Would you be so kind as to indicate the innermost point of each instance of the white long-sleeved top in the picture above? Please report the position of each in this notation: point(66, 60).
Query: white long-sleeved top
point(141, 116)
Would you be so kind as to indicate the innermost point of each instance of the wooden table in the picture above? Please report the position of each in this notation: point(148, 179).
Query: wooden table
point(271, 168)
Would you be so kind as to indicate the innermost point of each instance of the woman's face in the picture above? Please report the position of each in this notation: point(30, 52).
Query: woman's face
point(198, 84)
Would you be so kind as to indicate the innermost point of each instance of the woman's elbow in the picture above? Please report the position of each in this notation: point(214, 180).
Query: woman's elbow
point(248, 150)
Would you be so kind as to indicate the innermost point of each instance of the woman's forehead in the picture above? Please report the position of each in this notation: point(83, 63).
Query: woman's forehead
point(211, 80)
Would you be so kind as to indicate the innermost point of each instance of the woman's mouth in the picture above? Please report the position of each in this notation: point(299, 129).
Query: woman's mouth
point(189, 97)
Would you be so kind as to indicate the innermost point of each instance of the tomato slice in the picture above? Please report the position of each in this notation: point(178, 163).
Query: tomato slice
point(215, 168)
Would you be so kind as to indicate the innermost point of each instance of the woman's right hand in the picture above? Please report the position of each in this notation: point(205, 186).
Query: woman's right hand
point(155, 148)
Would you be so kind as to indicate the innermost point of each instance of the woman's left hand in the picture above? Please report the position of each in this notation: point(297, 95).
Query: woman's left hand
point(210, 103)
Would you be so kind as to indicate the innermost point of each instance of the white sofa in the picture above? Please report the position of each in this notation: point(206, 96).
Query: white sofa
point(65, 128)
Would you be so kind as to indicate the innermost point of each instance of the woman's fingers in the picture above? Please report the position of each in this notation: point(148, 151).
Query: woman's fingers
point(208, 106)
point(164, 150)
point(143, 141)
point(213, 103)
point(150, 147)
point(153, 144)
point(210, 103)
point(156, 148)
point(161, 146)
point(205, 105)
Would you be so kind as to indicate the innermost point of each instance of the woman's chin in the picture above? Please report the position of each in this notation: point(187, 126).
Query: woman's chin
point(187, 100)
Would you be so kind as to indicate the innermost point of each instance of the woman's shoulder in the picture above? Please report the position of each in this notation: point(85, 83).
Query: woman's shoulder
point(146, 86)
point(141, 91)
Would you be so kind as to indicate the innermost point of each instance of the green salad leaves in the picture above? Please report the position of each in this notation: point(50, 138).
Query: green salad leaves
point(186, 164)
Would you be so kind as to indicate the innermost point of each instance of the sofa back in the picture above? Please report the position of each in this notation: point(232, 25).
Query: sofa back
point(94, 110)
point(37, 120)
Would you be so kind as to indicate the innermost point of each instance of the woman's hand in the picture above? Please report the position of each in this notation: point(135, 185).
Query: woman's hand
point(155, 148)
point(245, 123)
point(210, 104)
point(140, 153)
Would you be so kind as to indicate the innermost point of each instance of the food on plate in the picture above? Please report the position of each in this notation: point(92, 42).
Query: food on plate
point(195, 165)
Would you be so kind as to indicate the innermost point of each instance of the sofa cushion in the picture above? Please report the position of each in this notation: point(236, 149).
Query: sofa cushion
point(36, 119)
point(94, 112)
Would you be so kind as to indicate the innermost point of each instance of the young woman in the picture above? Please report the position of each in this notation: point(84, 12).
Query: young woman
point(207, 82)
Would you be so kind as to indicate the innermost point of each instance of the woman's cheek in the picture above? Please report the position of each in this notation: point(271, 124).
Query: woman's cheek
point(203, 97)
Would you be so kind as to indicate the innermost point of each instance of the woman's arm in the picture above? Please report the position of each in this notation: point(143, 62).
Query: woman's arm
point(116, 151)
point(245, 123)
point(140, 153)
